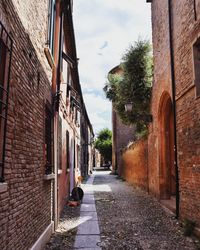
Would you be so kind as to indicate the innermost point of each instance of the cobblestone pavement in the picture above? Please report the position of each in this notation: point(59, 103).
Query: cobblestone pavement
point(64, 237)
point(131, 219)
point(128, 219)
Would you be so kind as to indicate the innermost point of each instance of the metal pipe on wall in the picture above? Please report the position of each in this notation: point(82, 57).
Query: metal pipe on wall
point(174, 104)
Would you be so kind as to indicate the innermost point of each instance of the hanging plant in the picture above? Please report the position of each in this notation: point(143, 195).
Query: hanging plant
point(133, 86)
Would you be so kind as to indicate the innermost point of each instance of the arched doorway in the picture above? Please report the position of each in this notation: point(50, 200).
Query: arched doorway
point(167, 179)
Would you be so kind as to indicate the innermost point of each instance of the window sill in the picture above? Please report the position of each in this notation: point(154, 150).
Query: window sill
point(49, 177)
point(59, 171)
point(49, 57)
point(3, 187)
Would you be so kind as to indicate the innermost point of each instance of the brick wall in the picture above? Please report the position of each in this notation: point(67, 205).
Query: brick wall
point(25, 208)
point(135, 162)
point(122, 135)
point(185, 32)
point(161, 84)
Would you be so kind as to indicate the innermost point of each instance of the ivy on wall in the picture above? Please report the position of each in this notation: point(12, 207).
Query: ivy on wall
point(133, 86)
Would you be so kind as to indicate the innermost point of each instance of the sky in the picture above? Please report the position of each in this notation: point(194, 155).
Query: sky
point(104, 30)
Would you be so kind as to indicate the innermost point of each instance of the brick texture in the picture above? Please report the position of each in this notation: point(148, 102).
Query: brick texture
point(122, 135)
point(185, 32)
point(25, 209)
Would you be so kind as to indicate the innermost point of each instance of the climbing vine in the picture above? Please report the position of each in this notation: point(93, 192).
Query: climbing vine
point(133, 86)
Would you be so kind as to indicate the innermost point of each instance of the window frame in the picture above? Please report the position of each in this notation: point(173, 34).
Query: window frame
point(196, 62)
point(59, 149)
point(6, 45)
point(48, 137)
point(51, 25)
point(67, 151)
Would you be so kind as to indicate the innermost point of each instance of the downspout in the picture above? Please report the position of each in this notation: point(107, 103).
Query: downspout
point(55, 88)
point(174, 104)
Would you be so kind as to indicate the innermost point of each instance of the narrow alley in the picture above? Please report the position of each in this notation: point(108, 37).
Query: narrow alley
point(114, 215)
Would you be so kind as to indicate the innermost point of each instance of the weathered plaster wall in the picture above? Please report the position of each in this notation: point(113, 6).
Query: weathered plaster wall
point(135, 164)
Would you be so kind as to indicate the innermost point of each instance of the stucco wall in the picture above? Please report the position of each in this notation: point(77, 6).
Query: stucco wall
point(135, 160)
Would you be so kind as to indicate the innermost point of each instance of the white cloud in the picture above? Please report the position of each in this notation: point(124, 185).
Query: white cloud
point(97, 107)
point(119, 23)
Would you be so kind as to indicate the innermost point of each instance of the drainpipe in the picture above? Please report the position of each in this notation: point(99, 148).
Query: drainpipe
point(55, 87)
point(174, 104)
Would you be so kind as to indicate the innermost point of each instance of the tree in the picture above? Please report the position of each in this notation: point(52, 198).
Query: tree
point(103, 144)
point(134, 85)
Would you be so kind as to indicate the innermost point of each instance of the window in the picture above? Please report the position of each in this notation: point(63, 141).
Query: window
point(196, 57)
point(67, 151)
point(48, 140)
point(60, 143)
point(5, 62)
point(51, 24)
point(78, 120)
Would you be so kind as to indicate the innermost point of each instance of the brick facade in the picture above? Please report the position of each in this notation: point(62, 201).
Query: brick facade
point(185, 31)
point(31, 198)
point(121, 134)
point(162, 175)
point(161, 87)
point(25, 208)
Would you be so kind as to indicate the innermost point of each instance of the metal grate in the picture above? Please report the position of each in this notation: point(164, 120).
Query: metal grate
point(5, 65)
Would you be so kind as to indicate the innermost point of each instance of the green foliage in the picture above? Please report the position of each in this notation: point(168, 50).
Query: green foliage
point(103, 143)
point(134, 86)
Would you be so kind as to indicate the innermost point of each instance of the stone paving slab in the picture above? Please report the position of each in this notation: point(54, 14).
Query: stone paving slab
point(88, 192)
point(87, 241)
point(88, 215)
point(88, 227)
point(88, 199)
point(88, 207)
point(96, 248)
point(88, 234)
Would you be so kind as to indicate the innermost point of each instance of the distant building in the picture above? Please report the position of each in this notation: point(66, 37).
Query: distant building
point(121, 134)
point(87, 137)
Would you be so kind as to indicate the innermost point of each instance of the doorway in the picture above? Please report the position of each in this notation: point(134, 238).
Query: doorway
point(167, 178)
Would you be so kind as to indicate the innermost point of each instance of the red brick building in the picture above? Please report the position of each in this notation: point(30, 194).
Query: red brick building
point(171, 171)
point(25, 197)
point(176, 29)
point(40, 108)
